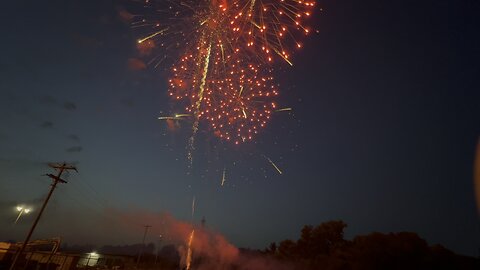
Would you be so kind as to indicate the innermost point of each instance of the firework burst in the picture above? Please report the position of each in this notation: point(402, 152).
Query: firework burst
point(236, 103)
point(271, 27)
point(222, 76)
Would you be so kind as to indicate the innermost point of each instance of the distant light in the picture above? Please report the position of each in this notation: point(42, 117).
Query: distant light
point(27, 210)
point(19, 208)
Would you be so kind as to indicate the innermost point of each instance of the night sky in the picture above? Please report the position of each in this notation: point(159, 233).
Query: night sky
point(385, 121)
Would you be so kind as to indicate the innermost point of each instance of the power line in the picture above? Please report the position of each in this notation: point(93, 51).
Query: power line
point(95, 194)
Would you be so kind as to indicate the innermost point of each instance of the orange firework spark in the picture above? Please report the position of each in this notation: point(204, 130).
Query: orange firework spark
point(236, 103)
point(245, 104)
point(221, 77)
point(271, 27)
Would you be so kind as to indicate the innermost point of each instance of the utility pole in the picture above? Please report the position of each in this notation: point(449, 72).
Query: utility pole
point(56, 179)
point(143, 243)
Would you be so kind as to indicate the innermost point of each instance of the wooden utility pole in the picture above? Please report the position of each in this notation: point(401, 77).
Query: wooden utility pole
point(56, 179)
point(143, 243)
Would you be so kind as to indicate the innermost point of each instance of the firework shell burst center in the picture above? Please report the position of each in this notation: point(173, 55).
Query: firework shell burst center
point(223, 75)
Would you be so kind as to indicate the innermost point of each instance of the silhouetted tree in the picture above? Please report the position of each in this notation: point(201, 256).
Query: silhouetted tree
point(287, 249)
point(324, 247)
point(321, 239)
point(272, 248)
point(387, 251)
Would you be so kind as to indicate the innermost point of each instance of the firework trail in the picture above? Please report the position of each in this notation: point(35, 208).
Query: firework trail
point(140, 41)
point(273, 164)
point(175, 117)
point(167, 118)
point(198, 103)
point(284, 110)
point(190, 239)
point(223, 177)
point(189, 251)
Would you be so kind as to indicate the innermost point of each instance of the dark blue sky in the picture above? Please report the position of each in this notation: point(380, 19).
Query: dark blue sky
point(386, 117)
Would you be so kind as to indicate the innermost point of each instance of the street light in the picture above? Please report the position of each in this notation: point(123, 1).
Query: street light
point(158, 248)
point(22, 210)
point(92, 255)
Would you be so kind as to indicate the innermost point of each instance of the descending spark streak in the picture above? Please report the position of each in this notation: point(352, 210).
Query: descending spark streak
point(199, 103)
point(189, 252)
point(273, 164)
point(152, 35)
point(223, 177)
point(167, 118)
point(283, 57)
point(223, 53)
point(284, 109)
point(175, 117)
